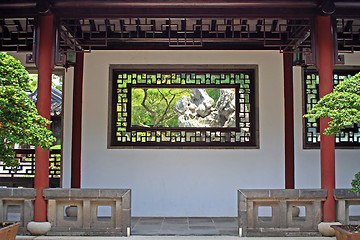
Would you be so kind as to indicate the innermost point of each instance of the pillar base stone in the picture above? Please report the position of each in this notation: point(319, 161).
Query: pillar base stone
point(325, 229)
point(38, 228)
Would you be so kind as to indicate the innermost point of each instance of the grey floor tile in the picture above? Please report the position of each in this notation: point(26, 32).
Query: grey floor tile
point(201, 228)
point(183, 226)
point(176, 221)
point(134, 221)
point(200, 219)
point(224, 219)
point(151, 219)
point(204, 232)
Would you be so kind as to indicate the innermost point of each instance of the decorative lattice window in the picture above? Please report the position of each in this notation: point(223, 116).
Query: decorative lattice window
point(350, 136)
point(183, 106)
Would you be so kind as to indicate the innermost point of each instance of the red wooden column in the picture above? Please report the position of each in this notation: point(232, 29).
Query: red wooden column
point(327, 143)
point(289, 121)
point(77, 122)
point(43, 106)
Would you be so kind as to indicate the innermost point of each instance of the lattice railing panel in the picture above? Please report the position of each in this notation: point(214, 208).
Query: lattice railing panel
point(26, 159)
point(124, 134)
point(350, 136)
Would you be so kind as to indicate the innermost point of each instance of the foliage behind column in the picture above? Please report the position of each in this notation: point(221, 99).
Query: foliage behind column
point(20, 122)
point(343, 107)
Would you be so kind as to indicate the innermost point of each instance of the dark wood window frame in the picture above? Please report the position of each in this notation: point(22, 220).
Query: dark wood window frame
point(311, 129)
point(227, 137)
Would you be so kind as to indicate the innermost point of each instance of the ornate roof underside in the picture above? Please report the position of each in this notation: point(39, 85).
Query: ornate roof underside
point(179, 8)
point(170, 33)
point(285, 25)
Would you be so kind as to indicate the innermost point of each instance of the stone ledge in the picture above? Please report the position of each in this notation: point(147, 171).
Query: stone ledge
point(83, 193)
point(18, 192)
point(345, 194)
point(283, 193)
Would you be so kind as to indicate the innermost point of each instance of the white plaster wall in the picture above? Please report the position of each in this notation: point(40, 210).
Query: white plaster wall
point(183, 182)
point(194, 182)
point(199, 182)
point(67, 126)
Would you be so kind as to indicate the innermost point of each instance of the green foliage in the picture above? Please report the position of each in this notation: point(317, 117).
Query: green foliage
point(214, 93)
point(57, 81)
point(342, 106)
point(20, 122)
point(155, 106)
point(12, 73)
point(33, 80)
point(355, 183)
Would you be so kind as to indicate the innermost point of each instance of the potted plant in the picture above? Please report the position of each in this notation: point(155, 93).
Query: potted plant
point(20, 122)
point(8, 230)
point(343, 107)
point(349, 232)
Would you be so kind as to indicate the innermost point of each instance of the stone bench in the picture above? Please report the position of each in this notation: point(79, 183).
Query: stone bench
point(344, 201)
point(104, 212)
point(17, 205)
point(278, 205)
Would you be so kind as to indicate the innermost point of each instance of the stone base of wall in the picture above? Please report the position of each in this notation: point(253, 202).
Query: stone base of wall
point(264, 212)
point(17, 205)
point(88, 217)
point(85, 232)
point(344, 199)
point(281, 232)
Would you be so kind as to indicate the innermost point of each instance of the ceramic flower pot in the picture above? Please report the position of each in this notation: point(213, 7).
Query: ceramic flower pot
point(8, 231)
point(344, 234)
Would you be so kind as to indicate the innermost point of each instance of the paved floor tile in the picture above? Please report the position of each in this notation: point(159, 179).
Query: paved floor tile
point(184, 226)
point(168, 238)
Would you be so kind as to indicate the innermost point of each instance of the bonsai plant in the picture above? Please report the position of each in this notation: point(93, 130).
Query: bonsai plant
point(20, 122)
point(355, 183)
point(343, 107)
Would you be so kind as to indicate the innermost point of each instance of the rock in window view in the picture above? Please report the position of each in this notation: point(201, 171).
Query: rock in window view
point(199, 110)
point(183, 108)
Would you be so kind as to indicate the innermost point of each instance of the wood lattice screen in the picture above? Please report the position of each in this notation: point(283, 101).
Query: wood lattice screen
point(243, 134)
point(350, 136)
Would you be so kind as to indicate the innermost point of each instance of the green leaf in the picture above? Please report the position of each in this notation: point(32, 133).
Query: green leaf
point(20, 122)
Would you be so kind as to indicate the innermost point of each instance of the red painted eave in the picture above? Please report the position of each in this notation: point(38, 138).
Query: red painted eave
point(177, 8)
point(184, 8)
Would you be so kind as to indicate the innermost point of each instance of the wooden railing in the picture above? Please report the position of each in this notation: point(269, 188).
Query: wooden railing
point(24, 175)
